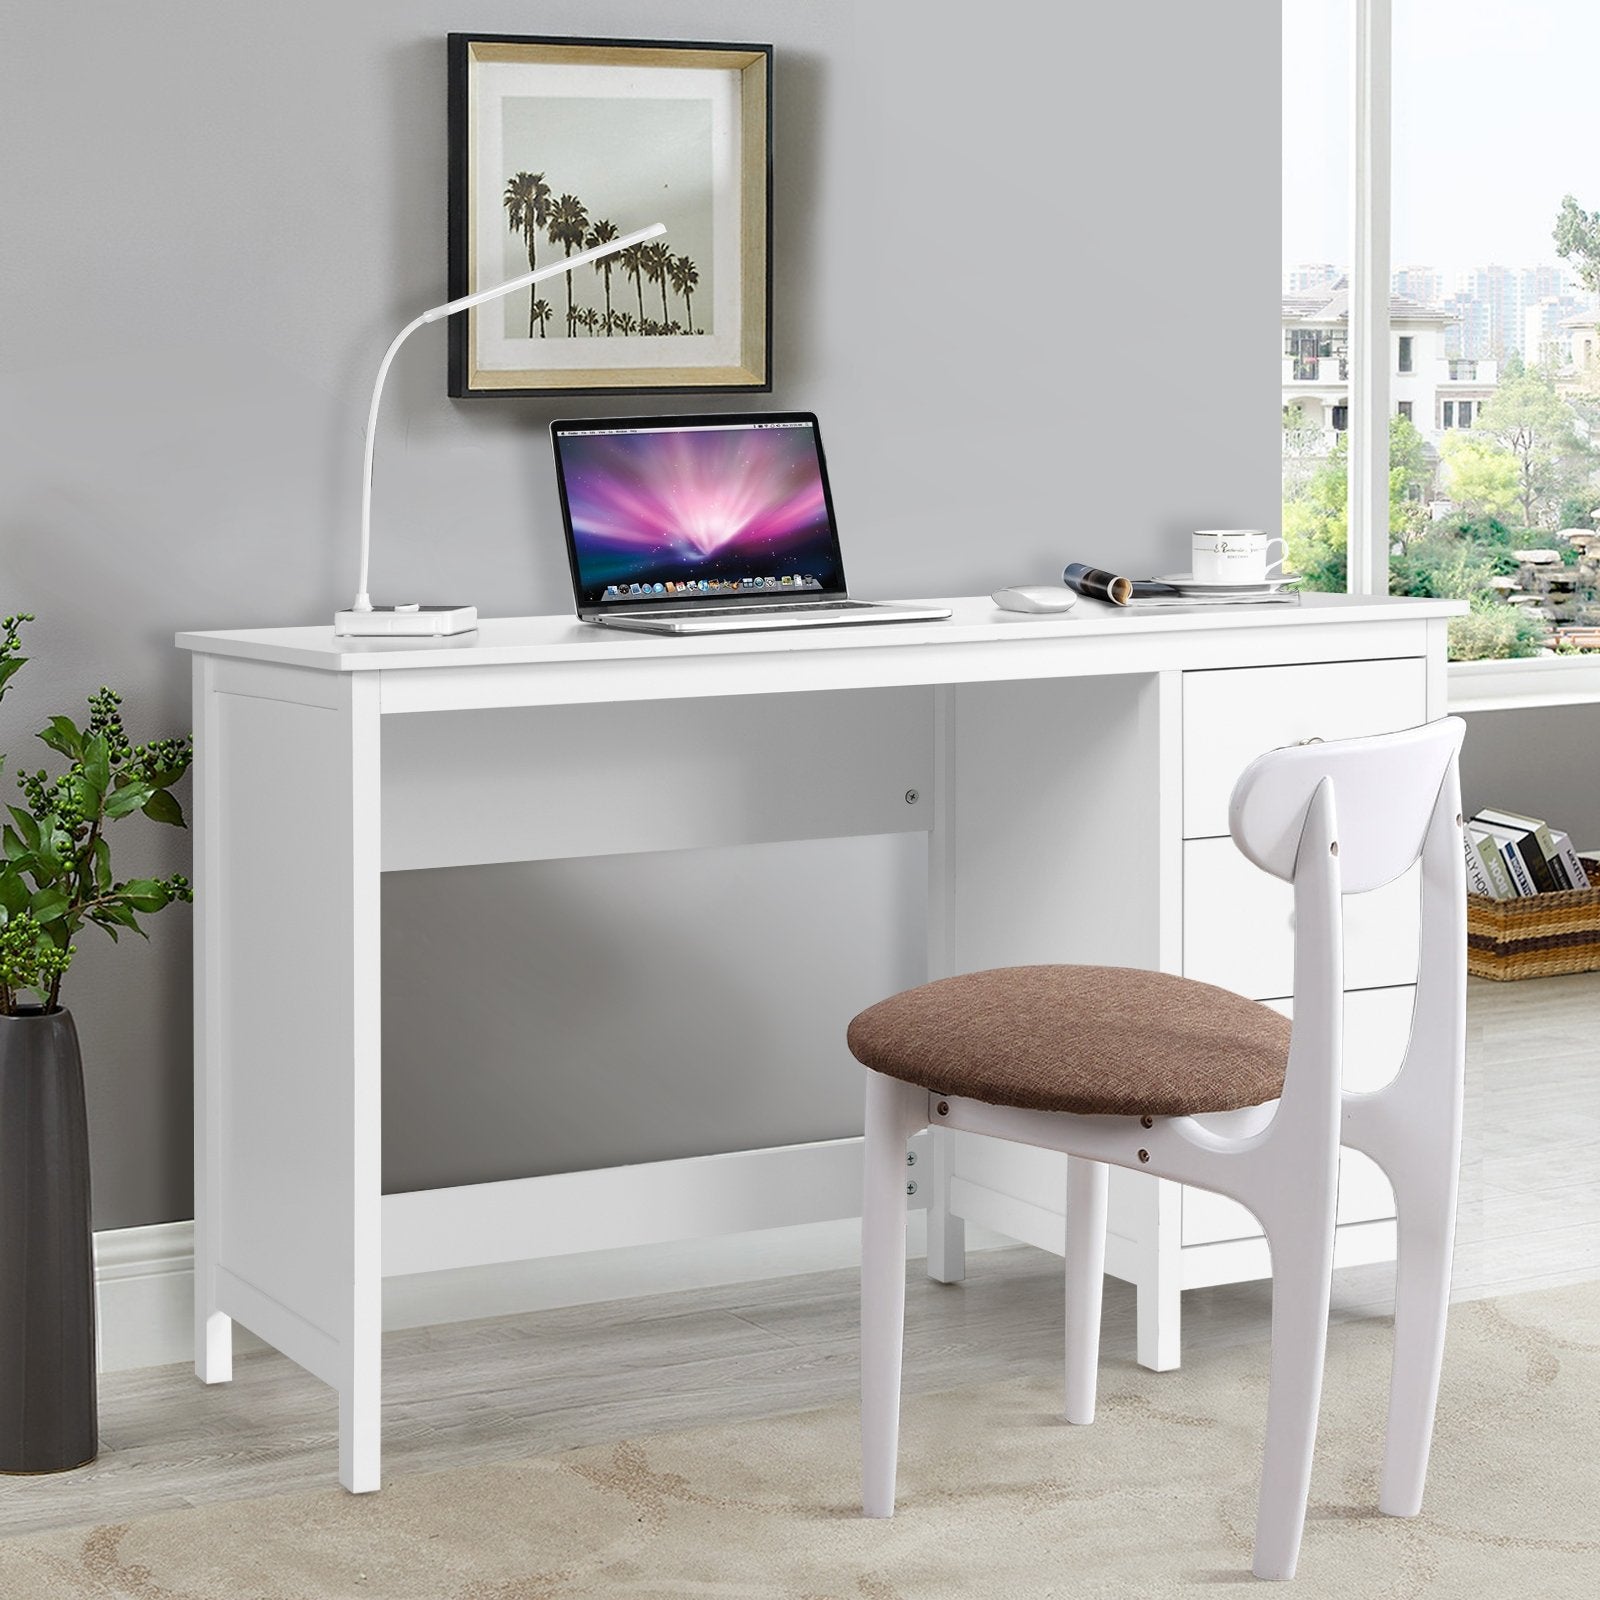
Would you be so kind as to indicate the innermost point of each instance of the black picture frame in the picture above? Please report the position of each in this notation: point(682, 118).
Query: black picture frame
point(707, 125)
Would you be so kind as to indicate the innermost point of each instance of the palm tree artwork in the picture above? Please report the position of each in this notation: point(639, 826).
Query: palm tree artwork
point(631, 261)
point(685, 275)
point(656, 259)
point(568, 224)
point(527, 203)
point(531, 210)
point(603, 232)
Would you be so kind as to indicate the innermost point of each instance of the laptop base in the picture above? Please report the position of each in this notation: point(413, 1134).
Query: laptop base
point(759, 620)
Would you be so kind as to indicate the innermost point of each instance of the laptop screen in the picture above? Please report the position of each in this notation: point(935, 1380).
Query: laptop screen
point(680, 510)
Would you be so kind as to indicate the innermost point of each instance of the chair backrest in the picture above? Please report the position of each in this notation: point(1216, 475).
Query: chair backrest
point(1375, 806)
point(1386, 788)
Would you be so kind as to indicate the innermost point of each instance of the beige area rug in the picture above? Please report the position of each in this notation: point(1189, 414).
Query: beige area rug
point(998, 1498)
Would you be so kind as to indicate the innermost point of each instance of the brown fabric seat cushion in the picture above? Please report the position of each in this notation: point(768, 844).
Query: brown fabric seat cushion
point(1096, 1040)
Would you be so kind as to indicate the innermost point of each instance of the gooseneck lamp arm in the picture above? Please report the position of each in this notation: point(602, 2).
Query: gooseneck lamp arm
point(363, 601)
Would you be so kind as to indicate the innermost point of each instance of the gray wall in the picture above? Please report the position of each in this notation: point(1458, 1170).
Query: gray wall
point(1539, 762)
point(1027, 263)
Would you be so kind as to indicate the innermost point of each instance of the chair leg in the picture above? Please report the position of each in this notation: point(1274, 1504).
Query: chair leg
point(883, 1286)
point(1426, 1235)
point(1086, 1265)
point(1302, 1277)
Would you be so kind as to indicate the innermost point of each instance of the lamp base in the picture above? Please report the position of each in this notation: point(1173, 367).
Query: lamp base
point(407, 621)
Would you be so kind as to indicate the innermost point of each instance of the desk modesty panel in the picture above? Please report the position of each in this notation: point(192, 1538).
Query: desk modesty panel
point(1015, 744)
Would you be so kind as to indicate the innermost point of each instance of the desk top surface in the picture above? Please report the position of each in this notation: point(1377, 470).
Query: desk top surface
point(974, 620)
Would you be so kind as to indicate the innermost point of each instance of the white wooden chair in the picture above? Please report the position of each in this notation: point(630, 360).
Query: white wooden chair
point(1168, 1076)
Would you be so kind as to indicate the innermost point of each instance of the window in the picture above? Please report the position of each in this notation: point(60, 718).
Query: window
point(1517, 471)
point(1498, 277)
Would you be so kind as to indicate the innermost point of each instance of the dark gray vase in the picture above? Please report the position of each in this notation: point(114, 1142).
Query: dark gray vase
point(47, 1356)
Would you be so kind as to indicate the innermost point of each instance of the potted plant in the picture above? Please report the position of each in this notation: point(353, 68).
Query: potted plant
point(56, 876)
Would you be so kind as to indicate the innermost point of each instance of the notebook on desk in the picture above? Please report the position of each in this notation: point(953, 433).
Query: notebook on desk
point(706, 525)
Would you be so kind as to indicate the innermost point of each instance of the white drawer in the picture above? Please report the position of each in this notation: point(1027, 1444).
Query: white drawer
point(1238, 927)
point(1230, 717)
point(1377, 1023)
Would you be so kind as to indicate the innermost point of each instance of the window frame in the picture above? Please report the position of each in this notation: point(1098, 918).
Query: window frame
point(1367, 543)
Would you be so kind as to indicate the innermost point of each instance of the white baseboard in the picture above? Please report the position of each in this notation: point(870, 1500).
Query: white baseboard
point(145, 1278)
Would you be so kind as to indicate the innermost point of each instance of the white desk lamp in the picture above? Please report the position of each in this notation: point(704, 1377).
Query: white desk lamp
point(363, 616)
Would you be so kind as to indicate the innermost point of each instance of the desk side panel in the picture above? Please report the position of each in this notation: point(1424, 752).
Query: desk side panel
point(1050, 838)
point(292, 1015)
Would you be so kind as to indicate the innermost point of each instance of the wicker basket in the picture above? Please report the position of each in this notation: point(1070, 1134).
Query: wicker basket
point(1540, 936)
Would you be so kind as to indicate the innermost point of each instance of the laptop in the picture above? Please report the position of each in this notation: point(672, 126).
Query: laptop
point(706, 525)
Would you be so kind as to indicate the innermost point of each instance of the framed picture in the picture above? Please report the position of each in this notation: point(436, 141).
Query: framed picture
point(557, 145)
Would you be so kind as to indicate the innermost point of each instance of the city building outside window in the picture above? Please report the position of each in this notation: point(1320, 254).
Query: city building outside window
point(1405, 354)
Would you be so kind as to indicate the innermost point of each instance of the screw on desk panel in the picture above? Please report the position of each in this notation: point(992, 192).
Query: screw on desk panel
point(1147, 1122)
point(912, 797)
point(943, 1108)
point(1144, 1155)
point(911, 1158)
point(911, 1188)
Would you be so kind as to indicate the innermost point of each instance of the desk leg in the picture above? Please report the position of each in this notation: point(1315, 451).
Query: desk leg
point(288, 1182)
point(213, 1329)
point(947, 1233)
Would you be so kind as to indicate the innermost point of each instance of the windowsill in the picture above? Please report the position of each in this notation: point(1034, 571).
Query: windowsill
point(1533, 681)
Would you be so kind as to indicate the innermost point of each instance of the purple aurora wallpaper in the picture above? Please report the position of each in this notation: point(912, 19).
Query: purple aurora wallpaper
point(708, 507)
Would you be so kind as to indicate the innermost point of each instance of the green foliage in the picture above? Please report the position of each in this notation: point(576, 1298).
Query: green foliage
point(1494, 631)
point(1577, 237)
point(56, 874)
point(1458, 563)
point(1534, 425)
point(1315, 524)
point(1480, 474)
point(1444, 565)
point(11, 662)
point(1410, 474)
point(1316, 518)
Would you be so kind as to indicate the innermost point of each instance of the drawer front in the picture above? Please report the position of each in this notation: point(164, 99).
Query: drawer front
point(1377, 1023)
point(1238, 929)
point(1230, 717)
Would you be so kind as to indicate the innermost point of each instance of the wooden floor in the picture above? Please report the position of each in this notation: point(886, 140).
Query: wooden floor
point(519, 1386)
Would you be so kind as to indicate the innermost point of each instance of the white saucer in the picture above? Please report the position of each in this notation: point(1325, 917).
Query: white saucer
point(1187, 580)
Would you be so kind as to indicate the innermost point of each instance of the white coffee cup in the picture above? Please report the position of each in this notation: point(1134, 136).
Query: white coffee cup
point(1234, 555)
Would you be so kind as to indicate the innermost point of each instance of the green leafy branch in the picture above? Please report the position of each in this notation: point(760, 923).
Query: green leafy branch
point(57, 874)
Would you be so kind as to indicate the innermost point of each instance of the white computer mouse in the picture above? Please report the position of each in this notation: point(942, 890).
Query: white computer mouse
point(1035, 597)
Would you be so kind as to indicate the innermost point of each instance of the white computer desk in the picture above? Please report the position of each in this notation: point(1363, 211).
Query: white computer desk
point(1071, 776)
